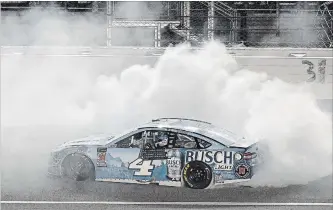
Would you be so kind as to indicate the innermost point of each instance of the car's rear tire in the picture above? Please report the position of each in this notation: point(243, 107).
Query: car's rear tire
point(197, 175)
point(78, 167)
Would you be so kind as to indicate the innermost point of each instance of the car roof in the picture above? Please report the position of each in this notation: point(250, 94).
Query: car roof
point(207, 129)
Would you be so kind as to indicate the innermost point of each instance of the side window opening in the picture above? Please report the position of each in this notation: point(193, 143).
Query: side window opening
point(162, 140)
point(168, 140)
point(203, 144)
point(184, 141)
point(156, 140)
point(190, 142)
point(133, 141)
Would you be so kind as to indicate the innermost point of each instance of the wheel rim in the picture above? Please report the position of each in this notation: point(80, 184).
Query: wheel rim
point(197, 175)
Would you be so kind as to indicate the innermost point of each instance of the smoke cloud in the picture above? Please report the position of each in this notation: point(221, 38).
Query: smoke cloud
point(295, 29)
point(52, 27)
point(57, 27)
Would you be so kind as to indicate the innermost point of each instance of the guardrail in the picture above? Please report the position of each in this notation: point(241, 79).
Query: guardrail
point(237, 51)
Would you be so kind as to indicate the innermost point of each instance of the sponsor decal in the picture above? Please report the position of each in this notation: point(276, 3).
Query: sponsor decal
point(218, 178)
point(174, 169)
point(242, 171)
point(113, 146)
point(223, 167)
point(143, 167)
point(101, 157)
point(175, 163)
point(210, 157)
point(187, 166)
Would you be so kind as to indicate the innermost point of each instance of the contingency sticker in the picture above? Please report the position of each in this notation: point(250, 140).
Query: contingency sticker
point(242, 171)
point(101, 157)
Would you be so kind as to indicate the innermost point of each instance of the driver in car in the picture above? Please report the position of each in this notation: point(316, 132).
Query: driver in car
point(161, 141)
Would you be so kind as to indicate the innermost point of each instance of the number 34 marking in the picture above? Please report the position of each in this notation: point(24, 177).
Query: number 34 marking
point(145, 167)
point(321, 70)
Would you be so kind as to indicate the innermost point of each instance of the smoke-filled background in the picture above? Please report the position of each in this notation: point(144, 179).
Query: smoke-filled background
point(48, 100)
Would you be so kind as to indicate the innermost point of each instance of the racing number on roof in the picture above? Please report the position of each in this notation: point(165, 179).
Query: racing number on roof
point(145, 167)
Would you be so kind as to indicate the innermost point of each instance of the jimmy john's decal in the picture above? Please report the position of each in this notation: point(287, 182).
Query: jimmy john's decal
point(222, 158)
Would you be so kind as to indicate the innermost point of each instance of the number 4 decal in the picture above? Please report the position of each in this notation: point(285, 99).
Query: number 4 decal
point(144, 167)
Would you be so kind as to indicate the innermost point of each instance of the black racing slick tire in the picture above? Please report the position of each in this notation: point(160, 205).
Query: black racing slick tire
point(78, 167)
point(197, 175)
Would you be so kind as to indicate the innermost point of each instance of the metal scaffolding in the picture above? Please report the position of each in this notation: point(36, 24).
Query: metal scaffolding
point(187, 13)
point(325, 33)
point(109, 18)
point(211, 25)
point(231, 22)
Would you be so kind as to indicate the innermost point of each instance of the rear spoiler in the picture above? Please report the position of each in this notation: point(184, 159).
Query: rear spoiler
point(254, 150)
point(244, 143)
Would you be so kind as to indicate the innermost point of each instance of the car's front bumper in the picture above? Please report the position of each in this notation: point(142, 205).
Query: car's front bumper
point(54, 165)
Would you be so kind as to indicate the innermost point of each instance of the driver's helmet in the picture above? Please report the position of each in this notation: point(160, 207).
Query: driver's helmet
point(161, 140)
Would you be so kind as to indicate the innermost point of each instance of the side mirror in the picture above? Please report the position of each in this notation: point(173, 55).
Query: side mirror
point(190, 145)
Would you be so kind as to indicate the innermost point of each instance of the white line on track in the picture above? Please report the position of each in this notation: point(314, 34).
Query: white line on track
point(156, 55)
point(169, 203)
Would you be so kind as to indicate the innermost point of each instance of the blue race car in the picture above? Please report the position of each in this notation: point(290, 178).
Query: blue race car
point(166, 151)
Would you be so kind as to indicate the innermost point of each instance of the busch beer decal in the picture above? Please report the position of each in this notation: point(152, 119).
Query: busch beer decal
point(210, 157)
point(174, 165)
point(224, 167)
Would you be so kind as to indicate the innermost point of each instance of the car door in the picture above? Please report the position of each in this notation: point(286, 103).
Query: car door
point(163, 150)
point(151, 163)
point(135, 157)
point(113, 160)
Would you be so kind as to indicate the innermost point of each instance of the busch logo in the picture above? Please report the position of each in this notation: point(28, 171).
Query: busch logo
point(209, 157)
point(173, 162)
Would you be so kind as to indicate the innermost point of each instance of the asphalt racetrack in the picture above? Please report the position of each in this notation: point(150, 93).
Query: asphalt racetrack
point(62, 191)
point(24, 179)
point(68, 191)
point(153, 207)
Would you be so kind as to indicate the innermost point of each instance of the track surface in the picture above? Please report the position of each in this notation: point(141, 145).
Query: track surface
point(24, 178)
point(26, 150)
point(133, 207)
point(56, 190)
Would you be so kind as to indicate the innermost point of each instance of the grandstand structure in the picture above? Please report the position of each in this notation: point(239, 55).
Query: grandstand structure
point(244, 23)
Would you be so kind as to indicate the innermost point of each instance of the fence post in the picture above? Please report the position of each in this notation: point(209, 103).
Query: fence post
point(211, 25)
point(109, 16)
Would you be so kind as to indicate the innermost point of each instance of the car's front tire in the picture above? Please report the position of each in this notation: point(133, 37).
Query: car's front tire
point(197, 175)
point(78, 167)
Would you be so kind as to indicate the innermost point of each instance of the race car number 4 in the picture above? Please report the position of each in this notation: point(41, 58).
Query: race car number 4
point(145, 167)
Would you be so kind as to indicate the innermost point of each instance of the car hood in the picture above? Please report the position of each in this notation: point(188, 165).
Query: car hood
point(92, 140)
